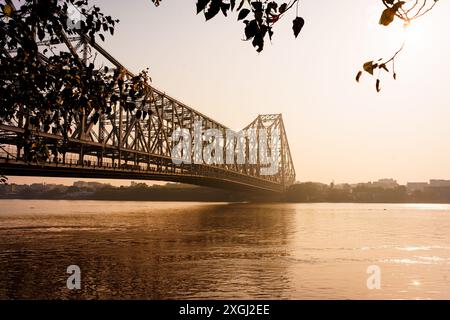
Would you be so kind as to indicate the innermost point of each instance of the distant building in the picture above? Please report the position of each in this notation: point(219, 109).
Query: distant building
point(439, 183)
point(38, 187)
point(89, 185)
point(80, 184)
point(416, 186)
point(343, 186)
point(8, 188)
point(53, 186)
point(137, 184)
point(385, 183)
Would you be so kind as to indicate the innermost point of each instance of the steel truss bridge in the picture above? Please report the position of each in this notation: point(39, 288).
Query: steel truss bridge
point(122, 145)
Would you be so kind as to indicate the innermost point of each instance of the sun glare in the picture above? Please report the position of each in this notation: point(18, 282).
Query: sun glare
point(415, 283)
point(406, 32)
point(411, 32)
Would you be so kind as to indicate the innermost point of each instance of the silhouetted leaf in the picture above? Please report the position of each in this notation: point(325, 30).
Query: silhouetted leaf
point(400, 4)
point(95, 117)
point(41, 33)
point(114, 98)
point(378, 85)
point(257, 5)
point(213, 9)
point(225, 7)
point(258, 42)
point(232, 4)
point(138, 114)
point(259, 15)
point(251, 29)
point(387, 17)
point(297, 25)
point(130, 106)
point(271, 6)
point(388, 14)
point(369, 67)
point(7, 10)
point(243, 13)
point(358, 76)
point(201, 5)
point(240, 5)
point(270, 32)
point(282, 8)
point(383, 66)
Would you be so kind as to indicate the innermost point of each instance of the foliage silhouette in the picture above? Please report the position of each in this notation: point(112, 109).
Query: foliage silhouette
point(266, 13)
point(49, 88)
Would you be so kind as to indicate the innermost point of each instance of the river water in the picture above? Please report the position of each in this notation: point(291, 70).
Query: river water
point(179, 250)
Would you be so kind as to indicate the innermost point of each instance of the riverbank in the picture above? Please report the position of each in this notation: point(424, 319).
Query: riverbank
point(297, 193)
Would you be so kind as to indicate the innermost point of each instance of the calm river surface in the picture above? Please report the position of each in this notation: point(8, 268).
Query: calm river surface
point(177, 250)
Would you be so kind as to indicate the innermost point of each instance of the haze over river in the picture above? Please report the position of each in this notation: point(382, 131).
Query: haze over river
point(179, 250)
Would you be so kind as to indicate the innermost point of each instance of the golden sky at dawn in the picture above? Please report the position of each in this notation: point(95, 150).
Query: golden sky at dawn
point(338, 130)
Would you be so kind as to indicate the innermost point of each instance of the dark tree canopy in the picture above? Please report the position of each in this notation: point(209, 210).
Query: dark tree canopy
point(48, 86)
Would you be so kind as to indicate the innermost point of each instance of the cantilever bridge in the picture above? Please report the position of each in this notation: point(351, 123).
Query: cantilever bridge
point(122, 145)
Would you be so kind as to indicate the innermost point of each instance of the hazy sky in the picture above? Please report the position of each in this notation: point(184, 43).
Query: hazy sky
point(338, 130)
